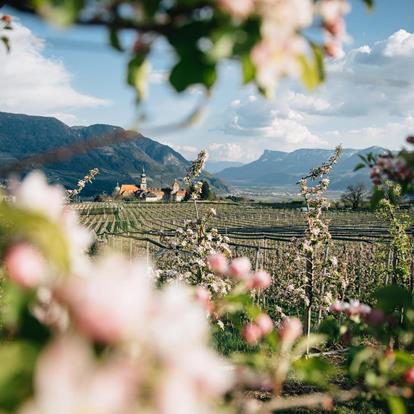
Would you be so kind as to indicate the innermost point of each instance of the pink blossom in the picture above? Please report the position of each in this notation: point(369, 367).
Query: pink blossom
point(237, 8)
point(260, 280)
point(265, 323)
point(25, 265)
point(290, 330)
point(69, 380)
point(35, 194)
point(332, 10)
point(211, 382)
point(110, 303)
point(175, 303)
point(203, 296)
point(218, 263)
point(240, 267)
point(252, 333)
point(336, 307)
point(355, 308)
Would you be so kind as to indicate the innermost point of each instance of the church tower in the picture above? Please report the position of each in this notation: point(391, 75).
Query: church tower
point(143, 185)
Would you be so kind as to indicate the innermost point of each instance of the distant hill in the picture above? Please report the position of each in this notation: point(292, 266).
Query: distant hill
point(217, 166)
point(284, 169)
point(24, 135)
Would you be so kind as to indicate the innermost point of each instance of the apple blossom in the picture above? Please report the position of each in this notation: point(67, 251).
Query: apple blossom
point(218, 263)
point(265, 323)
point(289, 330)
point(252, 333)
point(259, 280)
point(25, 265)
point(69, 380)
point(239, 268)
point(112, 301)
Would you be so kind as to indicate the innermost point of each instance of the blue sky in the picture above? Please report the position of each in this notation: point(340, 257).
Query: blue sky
point(368, 99)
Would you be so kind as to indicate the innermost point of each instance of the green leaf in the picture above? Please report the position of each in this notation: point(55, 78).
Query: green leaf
point(6, 42)
point(37, 229)
point(377, 195)
point(369, 3)
point(222, 46)
point(330, 328)
point(359, 166)
point(192, 70)
point(313, 72)
point(17, 362)
point(138, 71)
point(307, 342)
point(393, 297)
point(315, 371)
point(396, 405)
point(358, 359)
point(248, 68)
point(59, 12)
point(114, 40)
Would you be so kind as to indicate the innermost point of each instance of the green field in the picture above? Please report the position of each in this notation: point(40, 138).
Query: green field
point(268, 236)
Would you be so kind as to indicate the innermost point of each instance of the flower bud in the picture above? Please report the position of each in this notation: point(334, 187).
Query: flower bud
point(409, 376)
point(290, 330)
point(252, 333)
point(218, 263)
point(240, 267)
point(25, 265)
point(265, 323)
point(6, 18)
point(260, 280)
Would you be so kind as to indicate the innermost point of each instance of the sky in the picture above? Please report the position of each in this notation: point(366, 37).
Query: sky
point(367, 100)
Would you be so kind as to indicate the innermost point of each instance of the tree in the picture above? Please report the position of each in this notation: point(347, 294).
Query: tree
point(355, 195)
point(206, 193)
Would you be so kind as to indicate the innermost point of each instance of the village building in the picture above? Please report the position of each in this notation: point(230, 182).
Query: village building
point(144, 193)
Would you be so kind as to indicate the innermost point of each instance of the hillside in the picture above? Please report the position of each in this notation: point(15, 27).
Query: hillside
point(24, 135)
point(284, 169)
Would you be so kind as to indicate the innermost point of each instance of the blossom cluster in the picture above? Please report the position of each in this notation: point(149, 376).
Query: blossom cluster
point(358, 311)
point(193, 172)
point(189, 248)
point(240, 270)
point(155, 341)
point(89, 178)
point(282, 21)
point(390, 167)
point(317, 230)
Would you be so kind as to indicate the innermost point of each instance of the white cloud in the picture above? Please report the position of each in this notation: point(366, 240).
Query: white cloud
point(274, 123)
point(33, 84)
point(228, 151)
point(368, 100)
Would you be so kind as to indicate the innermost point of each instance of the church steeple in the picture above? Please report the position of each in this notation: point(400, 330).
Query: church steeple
point(143, 185)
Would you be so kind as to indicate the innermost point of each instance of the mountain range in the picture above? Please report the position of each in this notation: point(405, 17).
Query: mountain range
point(24, 135)
point(284, 169)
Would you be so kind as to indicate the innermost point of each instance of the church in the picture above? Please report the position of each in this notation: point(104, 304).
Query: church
point(144, 193)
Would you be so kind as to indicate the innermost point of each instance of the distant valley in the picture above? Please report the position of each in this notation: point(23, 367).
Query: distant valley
point(279, 169)
point(24, 135)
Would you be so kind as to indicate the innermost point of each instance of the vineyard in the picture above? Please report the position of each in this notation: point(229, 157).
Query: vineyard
point(268, 236)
